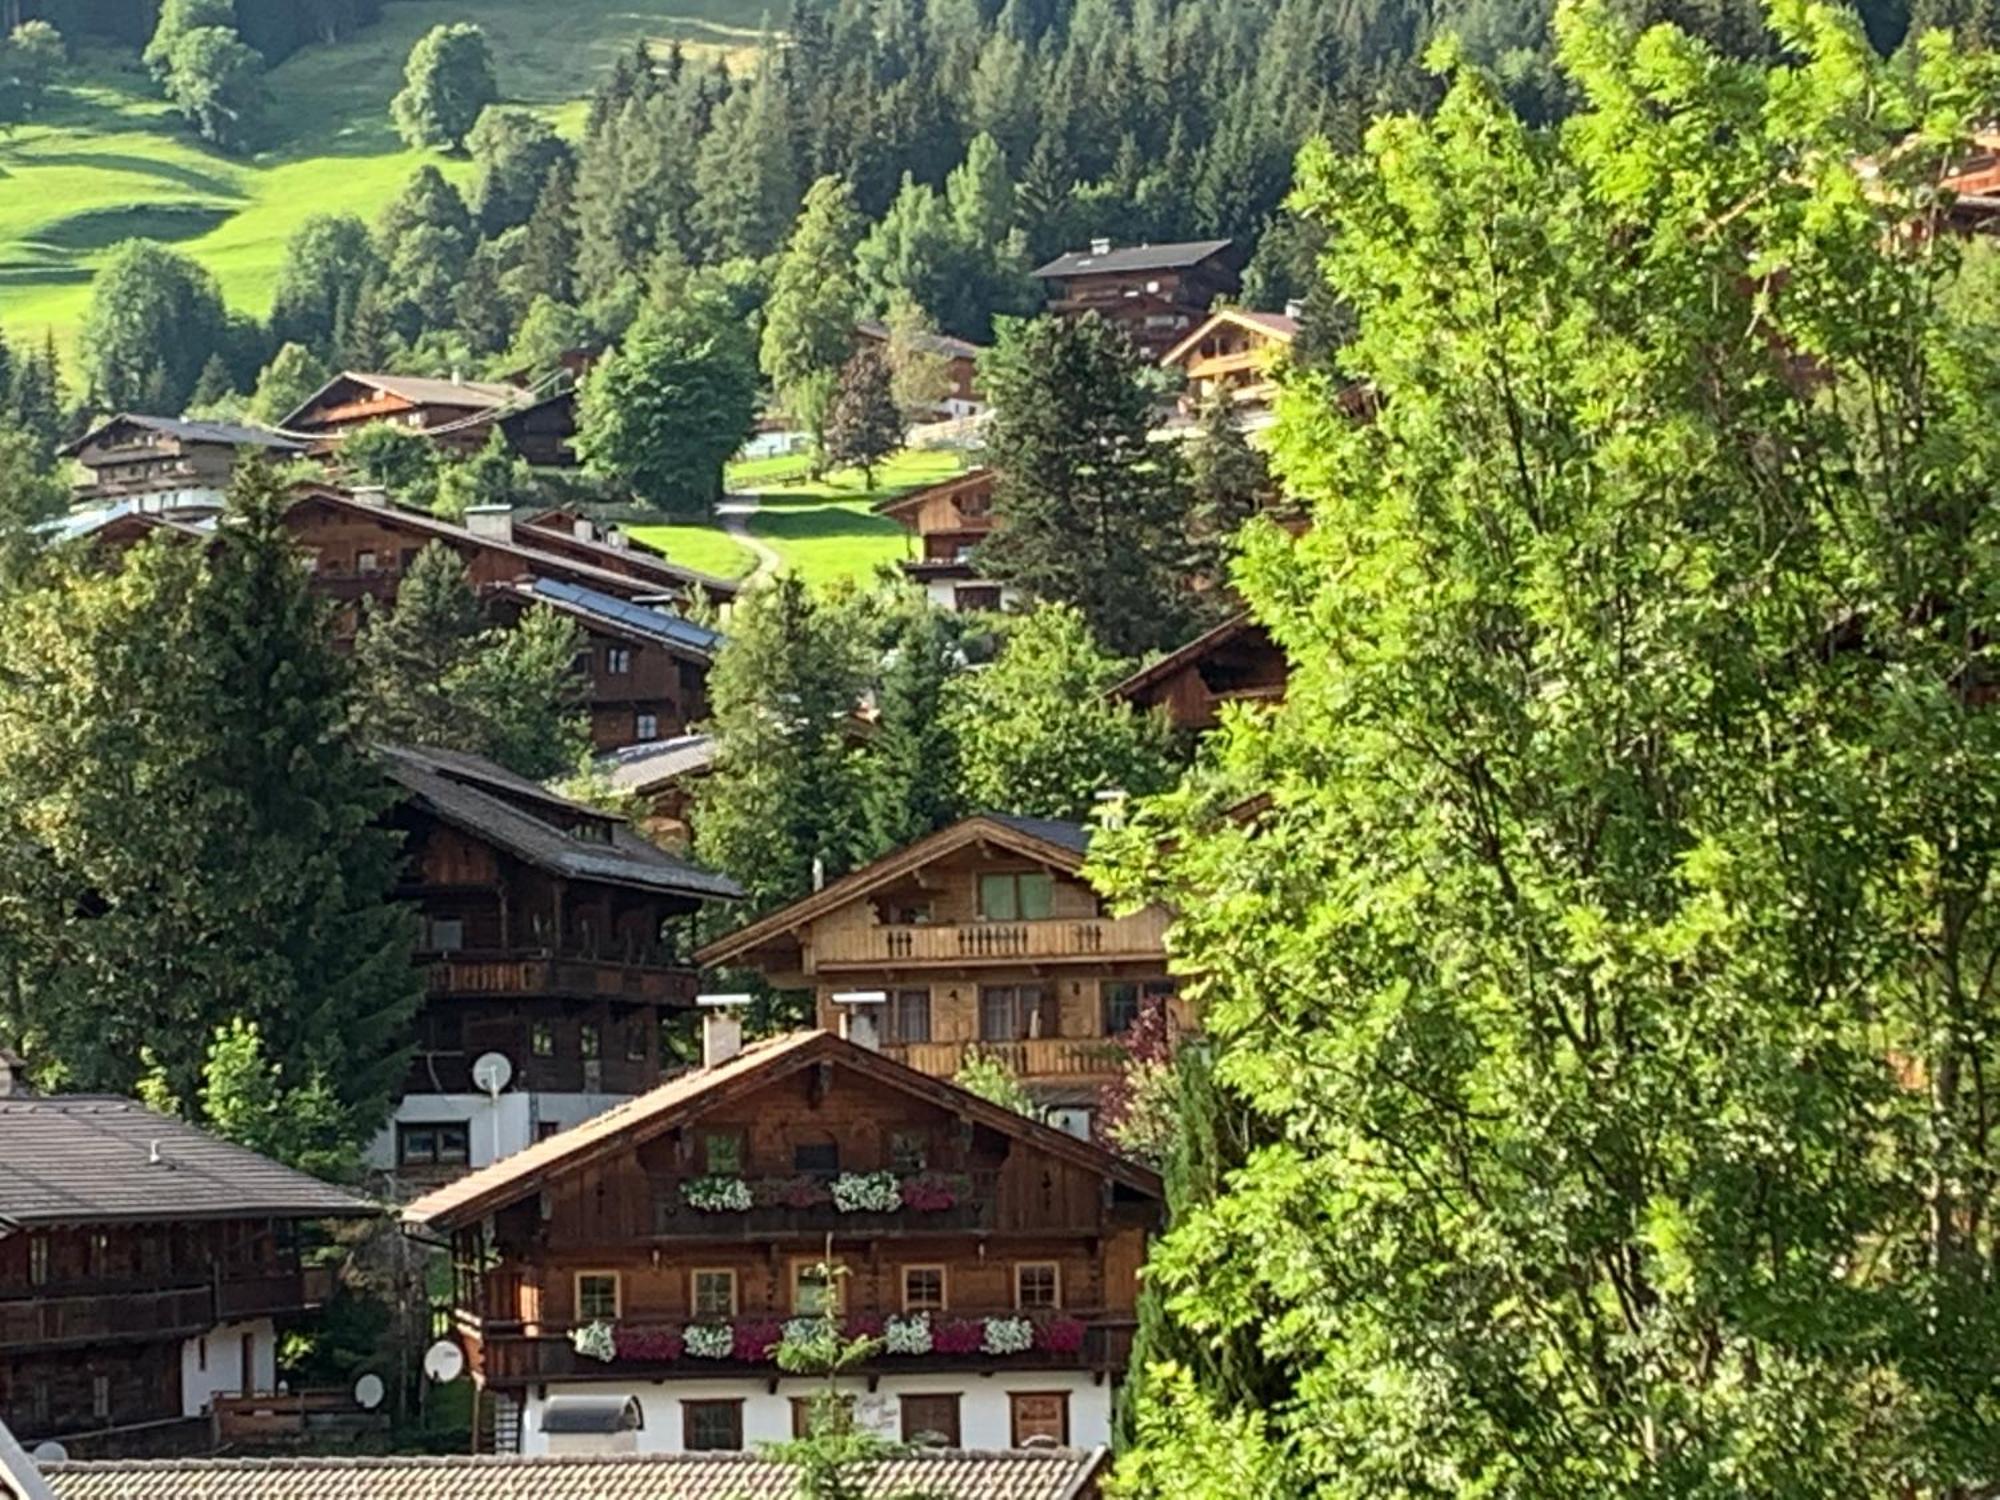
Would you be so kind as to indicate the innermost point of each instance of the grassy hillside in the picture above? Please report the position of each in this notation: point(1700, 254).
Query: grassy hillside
point(111, 161)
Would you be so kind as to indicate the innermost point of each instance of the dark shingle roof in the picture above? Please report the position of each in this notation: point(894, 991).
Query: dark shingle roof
point(1131, 258)
point(466, 791)
point(84, 1159)
point(635, 768)
point(1039, 1474)
point(230, 434)
point(948, 345)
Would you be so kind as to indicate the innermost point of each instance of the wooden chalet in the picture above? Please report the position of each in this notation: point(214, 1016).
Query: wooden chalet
point(961, 360)
point(660, 1251)
point(947, 521)
point(581, 1473)
point(1233, 351)
point(983, 937)
point(661, 776)
point(551, 933)
point(648, 669)
point(146, 1268)
point(1156, 293)
point(455, 413)
point(573, 535)
point(1236, 662)
point(167, 465)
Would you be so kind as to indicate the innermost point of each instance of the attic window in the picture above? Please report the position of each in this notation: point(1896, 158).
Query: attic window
point(1016, 896)
point(591, 831)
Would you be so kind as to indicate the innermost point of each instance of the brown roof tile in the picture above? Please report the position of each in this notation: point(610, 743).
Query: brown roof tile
point(1047, 1474)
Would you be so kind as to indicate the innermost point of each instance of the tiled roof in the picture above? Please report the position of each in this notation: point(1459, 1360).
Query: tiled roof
point(88, 1159)
point(428, 391)
point(464, 791)
point(1075, 836)
point(680, 1098)
point(1172, 257)
point(1030, 1474)
point(937, 343)
point(637, 768)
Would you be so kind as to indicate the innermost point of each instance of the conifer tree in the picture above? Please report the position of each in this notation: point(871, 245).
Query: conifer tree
point(549, 250)
point(913, 775)
point(1094, 514)
point(409, 654)
point(215, 389)
point(809, 320)
point(746, 181)
point(35, 396)
point(328, 261)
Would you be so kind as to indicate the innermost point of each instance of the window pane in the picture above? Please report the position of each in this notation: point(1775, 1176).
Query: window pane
point(1035, 1284)
point(923, 1288)
point(821, 1158)
point(712, 1426)
point(1037, 894)
point(596, 1298)
point(996, 898)
point(996, 1014)
point(909, 1150)
point(910, 1018)
point(722, 1151)
point(1121, 1006)
point(1040, 1416)
point(542, 1039)
point(715, 1294)
point(454, 1143)
point(587, 1041)
point(931, 1420)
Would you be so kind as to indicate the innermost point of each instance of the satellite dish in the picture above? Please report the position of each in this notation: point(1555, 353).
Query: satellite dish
point(492, 1073)
point(50, 1453)
point(444, 1362)
point(368, 1392)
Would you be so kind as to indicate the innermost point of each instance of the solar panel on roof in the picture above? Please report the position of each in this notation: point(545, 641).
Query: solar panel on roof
point(637, 616)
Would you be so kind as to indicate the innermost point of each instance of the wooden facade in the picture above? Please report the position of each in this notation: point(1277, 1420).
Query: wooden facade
point(166, 464)
point(947, 521)
point(451, 412)
point(982, 938)
point(1233, 352)
point(961, 365)
point(604, 1226)
point(1236, 662)
point(1156, 293)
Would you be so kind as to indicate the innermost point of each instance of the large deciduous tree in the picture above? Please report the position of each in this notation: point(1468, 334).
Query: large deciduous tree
point(217, 83)
point(664, 412)
point(329, 262)
point(447, 81)
point(154, 318)
point(1093, 513)
point(864, 425)
point(1609, 955)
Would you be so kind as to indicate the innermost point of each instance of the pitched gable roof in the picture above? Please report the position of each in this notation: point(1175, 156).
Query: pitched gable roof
point(942, 1474)
point(1280, 326)
point(684, 1097)
point(1173, 257)
point(419, 390)
point(484, 800)
point(910, 500)
point(223, 434)
point(89, 1159)
point(1219, 635)
point(1046, 839)
point(945, 344)
point(683, 636)
point(640, 768)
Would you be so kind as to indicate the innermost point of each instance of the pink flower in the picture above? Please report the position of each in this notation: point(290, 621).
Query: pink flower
point(958, 1336)
point(929, 1193)
point(756, 1340)
point(1060, 1336)
point(655, 1345)
point(862, 1326)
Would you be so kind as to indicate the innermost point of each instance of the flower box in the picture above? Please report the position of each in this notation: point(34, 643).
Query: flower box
point(958, 1336)
point(1060, 1336)
point(716, 1195)
point(654, 1345)
point(709, 1340)
point(1008, 1336)
point(757, 1341)
point(867, 1193)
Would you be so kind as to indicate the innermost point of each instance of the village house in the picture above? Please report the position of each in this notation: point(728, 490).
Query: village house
point(947, 521)
point(1156, 293)
point(661, 1251)
point(1236, 662)
point(167, 465)
point(455, 413)
point(961, 365)
point(551, 935)
point(581, 1472)
point(661, 776)
point(1233, 352)
point(982, 938)
point(146, 1270)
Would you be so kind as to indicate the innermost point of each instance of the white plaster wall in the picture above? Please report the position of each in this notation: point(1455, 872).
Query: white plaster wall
point(985, 1416)
point(219, 1371)
point(498, 1127)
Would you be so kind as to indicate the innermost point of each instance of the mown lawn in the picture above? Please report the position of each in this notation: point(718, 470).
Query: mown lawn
point(110, 161)
point(827, 530)
point(706, 549)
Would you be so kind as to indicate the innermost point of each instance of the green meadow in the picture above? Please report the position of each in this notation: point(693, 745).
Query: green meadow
point(110, 161)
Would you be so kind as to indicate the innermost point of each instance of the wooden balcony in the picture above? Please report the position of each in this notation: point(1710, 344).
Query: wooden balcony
point(269, 1296)
point(1037, 1057)
point(652, 980)
point(47, 1322)
point(513, 1358)
point(977, 1211)
point(1055, 940)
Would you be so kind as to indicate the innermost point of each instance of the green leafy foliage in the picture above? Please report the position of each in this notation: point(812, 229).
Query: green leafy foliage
point(809, 320)
point(217, 83)
point(402, 462)
point(177, 18)
point(447, 81)
point(291, 376)
point(31, 55)
point(865, 426)
point(515, 152)
point(155, 317)
point(665, 411)
point(329, 263)
point(1607, 960)
point(988, 1076)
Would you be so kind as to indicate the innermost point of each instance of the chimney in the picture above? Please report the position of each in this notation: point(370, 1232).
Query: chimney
point(13, 1075)
point(583, 530)
point(861, 1017)
point(494, 522)
point(1295, 309)
point(616, 537)
point(721, 1027)
point(370, 494)
point(454, 376)
point(1101, 245)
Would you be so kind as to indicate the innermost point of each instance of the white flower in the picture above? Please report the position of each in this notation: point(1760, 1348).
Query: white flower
point(708, 1340)
point(716, 1194)
point(801, 1330)
point(1009, 1336)
point(907, 1335)
point(867, 1193)
point(594, 1341)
